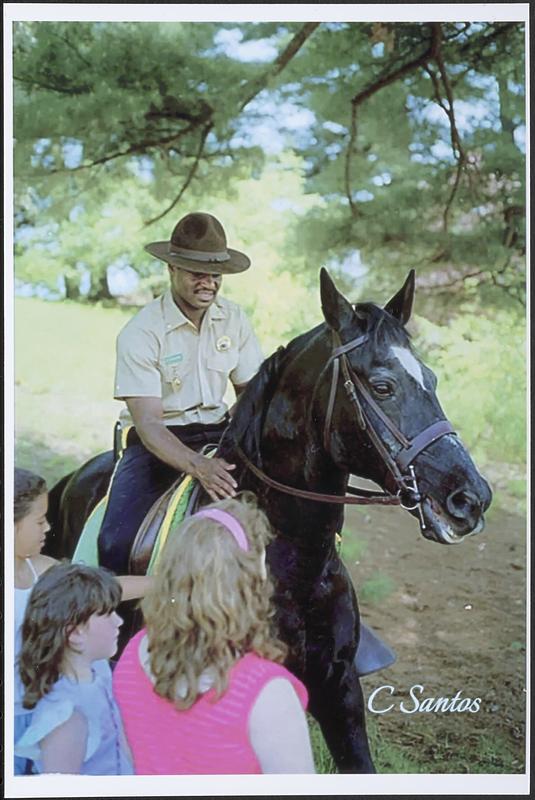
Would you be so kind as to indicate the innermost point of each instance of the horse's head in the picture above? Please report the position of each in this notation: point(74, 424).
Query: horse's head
point(384, 421)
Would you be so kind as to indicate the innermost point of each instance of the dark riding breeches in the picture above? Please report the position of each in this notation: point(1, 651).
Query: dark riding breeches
point(140, 479)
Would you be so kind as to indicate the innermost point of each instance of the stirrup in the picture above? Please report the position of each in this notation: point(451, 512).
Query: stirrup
point(372, 653)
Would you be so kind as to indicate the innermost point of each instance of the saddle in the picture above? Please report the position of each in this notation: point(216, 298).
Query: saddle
point(166, 513)
point(174, 505)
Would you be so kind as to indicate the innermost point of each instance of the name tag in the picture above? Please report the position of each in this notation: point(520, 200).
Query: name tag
point(175, 358)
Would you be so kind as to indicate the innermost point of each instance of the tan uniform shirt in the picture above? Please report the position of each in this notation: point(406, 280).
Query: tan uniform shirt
point(160, 353)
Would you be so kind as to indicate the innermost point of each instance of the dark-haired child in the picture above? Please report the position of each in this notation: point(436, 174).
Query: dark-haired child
point(31, 527)
point(69, 631)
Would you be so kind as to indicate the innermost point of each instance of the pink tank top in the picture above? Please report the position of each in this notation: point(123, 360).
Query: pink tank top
point(210, 738)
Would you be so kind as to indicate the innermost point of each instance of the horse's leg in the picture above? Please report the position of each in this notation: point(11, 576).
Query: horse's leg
point(335, 695)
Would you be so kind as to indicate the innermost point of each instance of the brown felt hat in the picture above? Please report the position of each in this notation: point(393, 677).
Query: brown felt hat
point(199, 243)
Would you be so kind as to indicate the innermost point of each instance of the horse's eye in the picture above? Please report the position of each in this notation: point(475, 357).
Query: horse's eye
point(383, 389)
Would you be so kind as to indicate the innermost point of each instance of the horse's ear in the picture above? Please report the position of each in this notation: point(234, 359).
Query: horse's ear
point(338, 312)
point(400, 306)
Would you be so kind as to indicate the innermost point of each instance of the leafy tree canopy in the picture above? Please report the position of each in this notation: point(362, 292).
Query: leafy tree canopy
point(408, 135)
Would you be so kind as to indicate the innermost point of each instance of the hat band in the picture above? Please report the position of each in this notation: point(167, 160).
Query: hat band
point(199, 255)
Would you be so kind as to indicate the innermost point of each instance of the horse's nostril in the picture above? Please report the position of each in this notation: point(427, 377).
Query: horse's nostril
point(462, 504)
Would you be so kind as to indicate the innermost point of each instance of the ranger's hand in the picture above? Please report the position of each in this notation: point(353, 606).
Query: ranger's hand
point(214, 475)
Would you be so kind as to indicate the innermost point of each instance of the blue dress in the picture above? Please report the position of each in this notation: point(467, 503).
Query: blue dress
point(106, 750)
point(23, 716)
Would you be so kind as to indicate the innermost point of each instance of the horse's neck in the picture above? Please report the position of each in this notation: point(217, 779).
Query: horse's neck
point(291, 439)
point(273, 426)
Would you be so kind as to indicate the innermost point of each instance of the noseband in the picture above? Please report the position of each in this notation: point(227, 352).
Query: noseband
point(398, 464)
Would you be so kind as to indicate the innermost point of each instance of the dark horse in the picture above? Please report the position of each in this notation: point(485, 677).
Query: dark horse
point(346, 398)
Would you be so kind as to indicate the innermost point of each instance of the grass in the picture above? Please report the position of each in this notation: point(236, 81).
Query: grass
point(375, 589)
point(64, 413)
point(64, 373)
point(426, 753)
point(352, 549)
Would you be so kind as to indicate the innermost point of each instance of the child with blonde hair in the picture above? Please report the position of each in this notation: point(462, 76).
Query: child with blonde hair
point(202, 689)
point(69, 632)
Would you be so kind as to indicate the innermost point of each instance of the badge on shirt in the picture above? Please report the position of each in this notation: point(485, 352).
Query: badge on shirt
point(223, 344)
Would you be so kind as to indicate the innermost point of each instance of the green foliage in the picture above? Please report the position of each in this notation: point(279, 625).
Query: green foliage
point(160, 115)
point(481, 365)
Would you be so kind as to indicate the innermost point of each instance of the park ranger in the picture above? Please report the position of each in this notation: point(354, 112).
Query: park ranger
point(174, 360)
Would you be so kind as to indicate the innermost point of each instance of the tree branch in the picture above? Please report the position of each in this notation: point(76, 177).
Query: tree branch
point(140, 147)
point(385, 79)
point(189, 177)
point(256, 86)
point(456, 143)
point(390, 77)
point(83, 89)
point(72, 47)
point(484, 38)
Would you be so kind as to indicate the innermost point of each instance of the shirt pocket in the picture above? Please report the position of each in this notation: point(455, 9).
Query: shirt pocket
point(219, 366)
point(223, 362)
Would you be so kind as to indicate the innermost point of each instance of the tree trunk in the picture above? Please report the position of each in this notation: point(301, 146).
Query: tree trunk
point(508, 126)
point(72, 287)
point(99, 288)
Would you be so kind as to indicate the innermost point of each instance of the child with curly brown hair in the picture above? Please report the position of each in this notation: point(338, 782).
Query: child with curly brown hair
point(69, 631)
point(202, 689)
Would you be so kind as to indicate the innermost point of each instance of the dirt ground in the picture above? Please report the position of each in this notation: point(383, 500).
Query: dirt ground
point(455, 616)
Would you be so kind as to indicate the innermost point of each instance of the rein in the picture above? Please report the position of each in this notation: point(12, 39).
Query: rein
point(408, 495)
point(355, 497)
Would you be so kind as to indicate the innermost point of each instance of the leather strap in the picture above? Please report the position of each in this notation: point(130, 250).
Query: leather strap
point(330, 405)
point(423, 440)
point(367, 498)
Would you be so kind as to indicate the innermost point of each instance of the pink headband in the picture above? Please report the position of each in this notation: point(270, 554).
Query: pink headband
point(229, 522)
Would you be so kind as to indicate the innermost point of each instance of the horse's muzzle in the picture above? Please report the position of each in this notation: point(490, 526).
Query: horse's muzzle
point(465, 506)
point(461, 515)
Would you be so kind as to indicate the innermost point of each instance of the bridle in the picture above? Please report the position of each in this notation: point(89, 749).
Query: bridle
point(399, 464)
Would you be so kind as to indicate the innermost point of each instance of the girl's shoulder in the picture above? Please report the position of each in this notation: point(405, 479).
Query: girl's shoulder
point(255, 671)
point(59, 705)
point(41, 563)
point(252, 662)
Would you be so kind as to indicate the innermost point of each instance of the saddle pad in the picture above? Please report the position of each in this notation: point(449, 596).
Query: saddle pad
point(86, 550)
point(167, 512)
point(174, 515)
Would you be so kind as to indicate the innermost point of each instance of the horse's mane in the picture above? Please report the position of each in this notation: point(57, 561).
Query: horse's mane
point(382, 327)
point(247, 423)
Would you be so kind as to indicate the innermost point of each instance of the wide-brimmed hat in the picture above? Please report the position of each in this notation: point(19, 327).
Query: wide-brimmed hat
point(198, 243)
